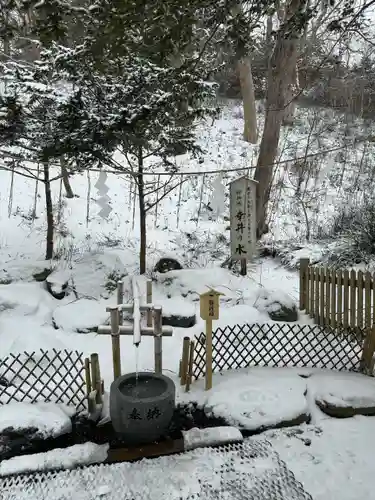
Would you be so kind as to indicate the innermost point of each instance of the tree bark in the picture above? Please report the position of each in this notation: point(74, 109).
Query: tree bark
point(290, 102)
point(49, 212)
point(142, 214)
point(283, 62)
point(65, 177)
point(250, 133)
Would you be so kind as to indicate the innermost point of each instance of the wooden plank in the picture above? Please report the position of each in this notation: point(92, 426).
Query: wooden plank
point(163, 448)
point(360, 285)
point(322, 273)
point(353, 296)
point(367, 305)
point(316, 299)
point(345, 305)
point(303, 267)
point(307, 305)
point(312, 296)
point(333, 298)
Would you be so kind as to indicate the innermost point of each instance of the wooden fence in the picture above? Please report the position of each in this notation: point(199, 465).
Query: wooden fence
point(337, 298)
point(44, 376)
point(279, 345)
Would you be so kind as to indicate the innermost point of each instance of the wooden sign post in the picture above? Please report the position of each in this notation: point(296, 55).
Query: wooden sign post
point(209, 311)
point(243, 220)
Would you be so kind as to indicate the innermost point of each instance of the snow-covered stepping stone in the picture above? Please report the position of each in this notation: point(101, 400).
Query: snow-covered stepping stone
point(259, 401)
point(344, 394)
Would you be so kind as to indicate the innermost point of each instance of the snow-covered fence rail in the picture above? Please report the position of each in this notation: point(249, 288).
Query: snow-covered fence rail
point(44, 376)
point(283, 345)
point(337, 298)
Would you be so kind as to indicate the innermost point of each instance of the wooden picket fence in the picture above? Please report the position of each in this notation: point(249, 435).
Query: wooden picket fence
point(337, 298)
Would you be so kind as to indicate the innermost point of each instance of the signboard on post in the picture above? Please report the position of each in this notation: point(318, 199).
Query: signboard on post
point(243, 218)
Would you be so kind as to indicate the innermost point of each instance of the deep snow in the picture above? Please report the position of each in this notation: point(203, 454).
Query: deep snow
point(337, 463)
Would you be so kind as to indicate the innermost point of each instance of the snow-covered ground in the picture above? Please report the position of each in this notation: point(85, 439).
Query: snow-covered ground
point(95, 253)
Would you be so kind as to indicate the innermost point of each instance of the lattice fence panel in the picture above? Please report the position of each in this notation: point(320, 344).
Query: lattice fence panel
point(280, 345)
point(43, 376)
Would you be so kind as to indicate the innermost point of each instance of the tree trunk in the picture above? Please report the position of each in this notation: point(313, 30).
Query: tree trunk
point(290, 102)
point(65, 177)
point(49, 212)
point(142, 214)
point(250, 133)
point(283, 62)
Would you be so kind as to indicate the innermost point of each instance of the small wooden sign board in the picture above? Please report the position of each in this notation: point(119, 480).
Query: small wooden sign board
point(209, 305)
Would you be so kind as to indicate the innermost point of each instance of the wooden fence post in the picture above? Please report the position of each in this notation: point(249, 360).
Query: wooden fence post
point(303, 282)
point(158, 336)
point(90, 405)
point(120, 299)
point(95, 377)
point(149, 301)
point(190, 367)
point(185, 360)
point(366, 364)
point(115, 336)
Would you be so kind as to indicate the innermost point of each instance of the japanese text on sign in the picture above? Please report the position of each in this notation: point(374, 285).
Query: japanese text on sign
point(242, 215)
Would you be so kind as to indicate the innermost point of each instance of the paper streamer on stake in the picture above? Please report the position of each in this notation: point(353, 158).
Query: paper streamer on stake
point(104, 199)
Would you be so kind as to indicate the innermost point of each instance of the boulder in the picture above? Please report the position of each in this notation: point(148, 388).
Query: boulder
point(278, 305)
point(167, 264)
point(344, 395)
point(57, 284)
point(178, 312)
point(280, 312)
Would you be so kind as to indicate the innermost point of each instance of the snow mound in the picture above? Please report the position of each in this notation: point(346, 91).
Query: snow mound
point(258, 401)
point(344, 391)
point(177, 306)
point(81, 315)
point(25, 298)
point(67, 458)
point(48, 419)
point(196, 438)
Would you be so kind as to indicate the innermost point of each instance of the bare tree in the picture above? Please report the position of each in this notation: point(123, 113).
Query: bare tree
point(282, 64)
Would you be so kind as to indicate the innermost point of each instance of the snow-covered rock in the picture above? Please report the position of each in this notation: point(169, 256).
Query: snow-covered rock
point(67, 458)
point(57, 283)
point(45, 419)
point(255, 401)
point(344, 394)
point(81, 316)
point(278, 305)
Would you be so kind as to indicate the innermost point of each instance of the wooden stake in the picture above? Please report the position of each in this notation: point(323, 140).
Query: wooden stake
point(185, 360)
point(94, 373)
point(98, 398)
point(303, 282)
point(190, 367)
point(158, 336)
point(115, 335)
point(243, 267)
point(208, 354)
point(120, 300)
point(88, 386)
point(149, 301)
